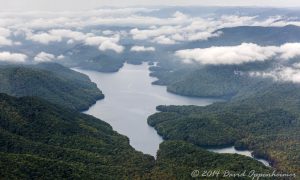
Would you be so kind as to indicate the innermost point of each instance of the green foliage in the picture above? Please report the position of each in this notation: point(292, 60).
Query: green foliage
point(52, 82)
point(266, 121)
point(177, 160)
point(39, 140)
point(223, 81)
point(88, 57)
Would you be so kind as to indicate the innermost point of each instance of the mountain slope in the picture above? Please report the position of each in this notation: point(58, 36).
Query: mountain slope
point(41, 140)
point(267, 121)
point(210, 81)
point(52, 82)
point(178, 159)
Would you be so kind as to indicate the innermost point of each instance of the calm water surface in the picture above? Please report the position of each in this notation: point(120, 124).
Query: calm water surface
point(232, 150)
point(130, 98)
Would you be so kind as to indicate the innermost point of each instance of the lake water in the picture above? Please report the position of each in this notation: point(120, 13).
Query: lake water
point(130, 98)
point(232, 150)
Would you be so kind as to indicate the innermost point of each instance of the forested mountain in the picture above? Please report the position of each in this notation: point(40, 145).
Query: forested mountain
point(39, 140)
point(267, 121)
point(87, 57)
point(44, 141)
point(249, 34)
point(177, 159)
point(223, 81)
point(49, 81)
point(246, 59)
point(90, 58)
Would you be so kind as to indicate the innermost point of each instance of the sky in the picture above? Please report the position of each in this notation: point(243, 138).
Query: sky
point(67, 5)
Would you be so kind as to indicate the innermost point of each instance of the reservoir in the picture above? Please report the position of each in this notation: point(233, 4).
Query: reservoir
point(130, 98)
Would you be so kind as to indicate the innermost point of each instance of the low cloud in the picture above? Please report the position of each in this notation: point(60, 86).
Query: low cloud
point(246, 52)
point(4, 34)
point(43, 38)
point(57, 35)
point(108, 45)
point(142, 49)
point(98, 40)
point(5, 41)
point(203, 35)
point(284, 74)
point(289, 50)
point(12, 57)
point(44, 57)
point(200, 29)
point(164, 40)
point(176, 28)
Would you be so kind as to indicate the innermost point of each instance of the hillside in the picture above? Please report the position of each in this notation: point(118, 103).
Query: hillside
point(249, 34)
point(267, 122)
point(91, 58)
point(51, 82)
point(178, 159)
point(221, 81)
point(39, 140)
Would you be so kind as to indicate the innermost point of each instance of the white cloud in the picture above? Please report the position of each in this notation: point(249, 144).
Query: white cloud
point(66, 33)
point(44, 57)
point(203, 35)
point(4, 34)
point(289, 74)
point(149, 33)
point(57, 35)
point(142, 49)
point(177, 28)
point(4, 41)
point(108, 45)
point(246, 52)
point(60, 57)
point(290, 50)
point(163, 40)
point(193, 29)
point(44, 38)
point(98, 40)
point(12, 57)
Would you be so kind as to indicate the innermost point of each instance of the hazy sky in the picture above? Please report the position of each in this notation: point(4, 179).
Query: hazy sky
point(54, 5)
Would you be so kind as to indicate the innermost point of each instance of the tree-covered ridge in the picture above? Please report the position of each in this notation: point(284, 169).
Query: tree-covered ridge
point(52, 82)
point(216, 81)
point(41, 140)
point(221, 80)
point(267, 122)
point(178, 159)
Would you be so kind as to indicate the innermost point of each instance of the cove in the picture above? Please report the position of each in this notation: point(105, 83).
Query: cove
point(232, 150)
point(130, 98)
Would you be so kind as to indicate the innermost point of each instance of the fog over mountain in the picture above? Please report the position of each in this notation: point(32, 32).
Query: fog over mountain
point(218, 75)
point(122, 33)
